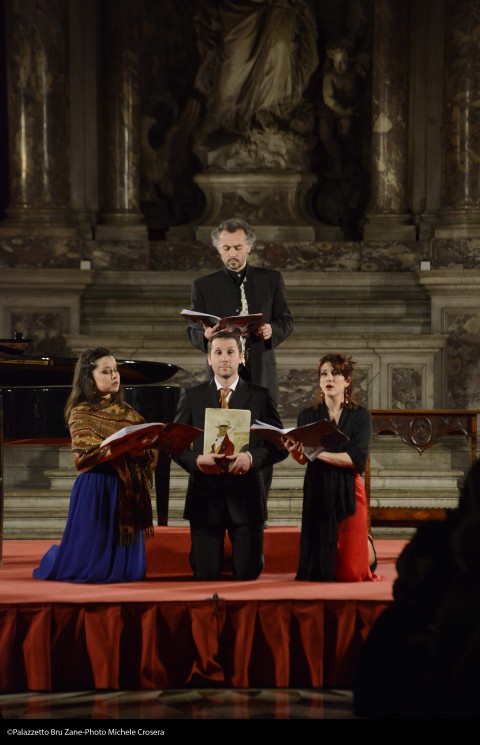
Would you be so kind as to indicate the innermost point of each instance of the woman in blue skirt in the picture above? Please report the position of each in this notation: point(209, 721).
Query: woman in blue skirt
point(110, 511)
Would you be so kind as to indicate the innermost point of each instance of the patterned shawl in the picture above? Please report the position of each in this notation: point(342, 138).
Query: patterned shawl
point(89, 425)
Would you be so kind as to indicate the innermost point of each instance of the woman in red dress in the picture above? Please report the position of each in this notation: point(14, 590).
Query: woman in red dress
point(334, 541)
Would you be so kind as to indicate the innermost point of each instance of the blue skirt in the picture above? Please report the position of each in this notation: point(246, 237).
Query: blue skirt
point(90, 550)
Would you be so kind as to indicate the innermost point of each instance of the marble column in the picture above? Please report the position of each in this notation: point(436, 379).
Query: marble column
point(121, 217)
point(388, 216)
point(38, 118)
point(460, 211)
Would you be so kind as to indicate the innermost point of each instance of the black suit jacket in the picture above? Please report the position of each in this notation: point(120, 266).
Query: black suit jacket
point(265, 292)
point(211, 498)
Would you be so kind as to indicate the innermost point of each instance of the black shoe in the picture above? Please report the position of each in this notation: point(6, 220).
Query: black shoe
point(374, 563)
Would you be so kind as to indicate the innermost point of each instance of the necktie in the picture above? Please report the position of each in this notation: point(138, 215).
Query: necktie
point(223, 397)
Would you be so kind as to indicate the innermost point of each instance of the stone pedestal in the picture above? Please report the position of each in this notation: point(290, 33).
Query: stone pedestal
point(49, 223)
point(275, 203)
point(458, 223)
point(391, 227)
point(117, 227)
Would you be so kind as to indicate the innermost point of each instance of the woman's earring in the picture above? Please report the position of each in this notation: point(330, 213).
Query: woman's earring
point(345, 397)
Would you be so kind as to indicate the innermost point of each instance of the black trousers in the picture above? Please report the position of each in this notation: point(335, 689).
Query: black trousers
point(208, 548)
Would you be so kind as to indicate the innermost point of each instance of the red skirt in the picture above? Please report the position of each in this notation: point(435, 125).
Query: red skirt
point(353, 563)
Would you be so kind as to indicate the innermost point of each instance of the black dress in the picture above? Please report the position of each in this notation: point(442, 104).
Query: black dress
point(330, 496)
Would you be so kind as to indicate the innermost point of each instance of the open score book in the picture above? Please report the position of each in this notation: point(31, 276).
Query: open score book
point(245, 324)
point(315, 437)
point(173, 437)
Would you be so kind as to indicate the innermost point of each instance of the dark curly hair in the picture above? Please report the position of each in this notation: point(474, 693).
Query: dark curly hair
point(345, 365)
point(84, 389)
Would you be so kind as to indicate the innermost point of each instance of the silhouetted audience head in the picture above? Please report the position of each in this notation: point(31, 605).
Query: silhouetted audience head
point(422, 657)
point(469, 500)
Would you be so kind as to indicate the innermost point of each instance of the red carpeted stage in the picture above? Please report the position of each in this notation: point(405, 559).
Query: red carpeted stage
point(170, 631)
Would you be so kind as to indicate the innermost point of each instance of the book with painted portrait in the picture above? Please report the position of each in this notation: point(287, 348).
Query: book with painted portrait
point(227, 431)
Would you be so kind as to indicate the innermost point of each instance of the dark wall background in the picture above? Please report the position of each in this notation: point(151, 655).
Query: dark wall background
point(3, 117)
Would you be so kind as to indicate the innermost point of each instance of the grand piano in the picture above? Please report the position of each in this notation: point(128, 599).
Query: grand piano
point(34, 390)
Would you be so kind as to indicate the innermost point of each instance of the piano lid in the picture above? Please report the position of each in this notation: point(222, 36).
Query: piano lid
point(17, 370)
point(45, 371)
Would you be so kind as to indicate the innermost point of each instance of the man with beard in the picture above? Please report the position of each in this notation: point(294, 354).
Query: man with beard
point(239, 289)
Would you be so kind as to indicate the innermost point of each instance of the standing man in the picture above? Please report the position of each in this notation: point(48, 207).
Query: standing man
point(230, 498)
point(238, 289)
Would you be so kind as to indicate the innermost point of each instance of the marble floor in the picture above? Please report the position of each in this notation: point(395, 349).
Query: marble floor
point(181, 705)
